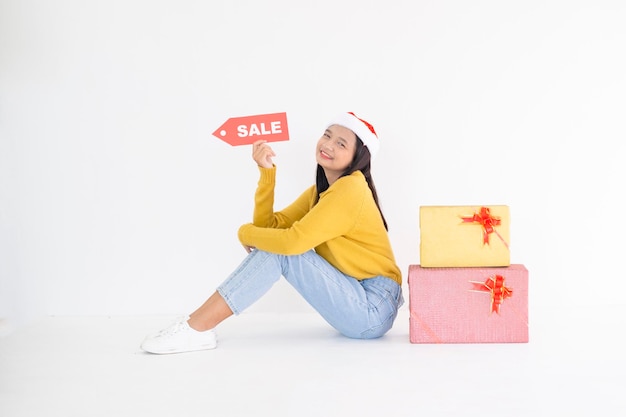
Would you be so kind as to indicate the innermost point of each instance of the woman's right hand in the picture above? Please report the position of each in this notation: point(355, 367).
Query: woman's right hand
point(262, 154)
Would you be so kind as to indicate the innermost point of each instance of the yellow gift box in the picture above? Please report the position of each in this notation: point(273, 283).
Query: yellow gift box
point(464, 236)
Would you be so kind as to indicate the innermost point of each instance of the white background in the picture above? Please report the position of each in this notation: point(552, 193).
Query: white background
point(115, 198)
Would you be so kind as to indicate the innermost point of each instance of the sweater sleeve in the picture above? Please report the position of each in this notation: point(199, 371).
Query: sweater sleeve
point(332, 216)
point(264, 215)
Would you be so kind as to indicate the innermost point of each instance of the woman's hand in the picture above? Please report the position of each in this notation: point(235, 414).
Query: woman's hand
point(262, 154)
point(249, 248)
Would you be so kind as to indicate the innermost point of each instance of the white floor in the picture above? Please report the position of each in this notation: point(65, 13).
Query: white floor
point(295, 365)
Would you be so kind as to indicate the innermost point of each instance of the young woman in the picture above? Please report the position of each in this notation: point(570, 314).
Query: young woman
point(330, 244)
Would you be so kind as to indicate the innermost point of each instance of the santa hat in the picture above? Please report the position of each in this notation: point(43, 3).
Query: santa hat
point(361, 128)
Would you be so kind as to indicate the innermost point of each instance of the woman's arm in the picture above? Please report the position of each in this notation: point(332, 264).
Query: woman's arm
point(334, 215)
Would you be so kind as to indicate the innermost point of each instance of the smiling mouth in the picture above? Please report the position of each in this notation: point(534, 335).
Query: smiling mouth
point(325, 155)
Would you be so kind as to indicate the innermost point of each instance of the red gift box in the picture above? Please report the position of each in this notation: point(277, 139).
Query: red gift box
point(468, 305)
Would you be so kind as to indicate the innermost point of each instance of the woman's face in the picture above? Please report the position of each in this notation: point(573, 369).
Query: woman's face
point(335, 151)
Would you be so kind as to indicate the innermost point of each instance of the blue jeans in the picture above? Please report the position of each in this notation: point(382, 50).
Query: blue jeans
point(358, 309)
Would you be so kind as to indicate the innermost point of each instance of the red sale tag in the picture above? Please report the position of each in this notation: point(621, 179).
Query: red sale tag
point(246, 130)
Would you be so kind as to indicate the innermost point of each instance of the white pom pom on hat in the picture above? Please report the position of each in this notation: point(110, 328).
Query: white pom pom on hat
point(360, 127)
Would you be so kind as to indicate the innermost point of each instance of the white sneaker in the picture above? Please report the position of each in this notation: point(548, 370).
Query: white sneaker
point(179, 338)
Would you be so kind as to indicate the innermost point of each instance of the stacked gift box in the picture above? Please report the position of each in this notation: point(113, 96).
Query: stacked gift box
point(465, 289)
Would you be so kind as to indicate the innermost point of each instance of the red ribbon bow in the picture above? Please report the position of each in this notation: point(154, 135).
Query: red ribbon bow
point(495, 287)
point(487, 221)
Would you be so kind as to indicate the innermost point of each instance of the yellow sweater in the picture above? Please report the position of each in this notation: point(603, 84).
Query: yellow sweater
point(344, 227)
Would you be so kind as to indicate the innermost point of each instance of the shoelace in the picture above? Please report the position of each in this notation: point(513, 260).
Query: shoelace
point(174, 328)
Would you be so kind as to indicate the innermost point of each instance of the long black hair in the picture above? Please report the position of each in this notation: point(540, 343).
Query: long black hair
point(360, 162)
